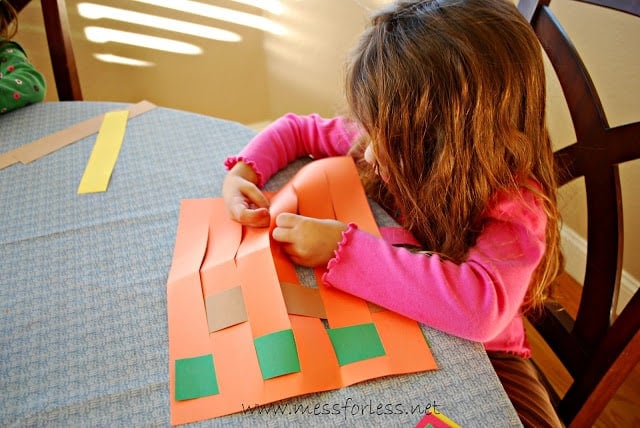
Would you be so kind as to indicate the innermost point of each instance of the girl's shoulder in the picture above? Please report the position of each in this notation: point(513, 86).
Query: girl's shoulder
point(11, 48)
point(524, 204)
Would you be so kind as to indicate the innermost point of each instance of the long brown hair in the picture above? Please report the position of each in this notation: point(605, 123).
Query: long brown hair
point(452, 96)
point(8, 21)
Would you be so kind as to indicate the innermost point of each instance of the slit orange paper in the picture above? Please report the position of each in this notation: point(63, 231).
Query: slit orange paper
point(213, 255)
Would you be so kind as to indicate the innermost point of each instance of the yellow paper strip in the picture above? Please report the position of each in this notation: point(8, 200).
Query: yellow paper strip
point(105, 153)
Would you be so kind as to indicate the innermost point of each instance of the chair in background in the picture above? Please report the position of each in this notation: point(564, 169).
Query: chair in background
point(598, 348)
point(56, 23)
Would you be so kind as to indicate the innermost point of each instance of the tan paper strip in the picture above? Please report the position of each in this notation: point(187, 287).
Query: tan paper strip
point(225, 309)
point(7, 160)
point(52, 142)
point(301, 300)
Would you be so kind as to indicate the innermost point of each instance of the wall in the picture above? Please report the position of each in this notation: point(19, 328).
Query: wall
point(227, 80)
point(306, 70)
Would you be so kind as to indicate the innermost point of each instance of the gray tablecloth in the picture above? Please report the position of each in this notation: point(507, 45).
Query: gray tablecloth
point(83, 317)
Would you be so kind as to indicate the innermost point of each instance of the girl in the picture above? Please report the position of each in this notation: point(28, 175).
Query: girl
point(447, 103)
point(20, 83)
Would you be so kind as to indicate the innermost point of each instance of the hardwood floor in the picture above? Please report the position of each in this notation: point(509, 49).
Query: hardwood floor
point(624, 408)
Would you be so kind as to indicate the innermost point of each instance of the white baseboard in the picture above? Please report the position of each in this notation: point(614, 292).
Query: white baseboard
point(574, 247)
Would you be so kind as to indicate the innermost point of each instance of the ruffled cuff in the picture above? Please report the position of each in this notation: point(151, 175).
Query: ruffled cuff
point(346, 237)
point(231, 161)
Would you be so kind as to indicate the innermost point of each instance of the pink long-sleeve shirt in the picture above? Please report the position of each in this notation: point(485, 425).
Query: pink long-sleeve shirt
point(479, 299)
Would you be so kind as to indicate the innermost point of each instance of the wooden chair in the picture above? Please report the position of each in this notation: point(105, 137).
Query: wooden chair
point(598, 348)
point(56, 23)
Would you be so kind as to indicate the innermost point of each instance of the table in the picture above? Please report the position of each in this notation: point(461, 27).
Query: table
point(83, 316)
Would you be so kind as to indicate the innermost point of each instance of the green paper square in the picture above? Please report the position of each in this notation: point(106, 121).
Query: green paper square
point(356, 343)
point(277, 354)
point(195, 377)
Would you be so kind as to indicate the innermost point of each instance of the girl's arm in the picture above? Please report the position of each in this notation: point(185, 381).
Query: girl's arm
point(292, 137)
point(475, 299)
point(20, 83)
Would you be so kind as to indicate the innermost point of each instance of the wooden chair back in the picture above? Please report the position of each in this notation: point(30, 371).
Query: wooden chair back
point(56, 23)
point(598, 348)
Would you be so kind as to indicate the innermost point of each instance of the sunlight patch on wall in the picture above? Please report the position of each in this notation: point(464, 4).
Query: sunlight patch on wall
point(96, 11)
point(105, 35)
point(102, 34)
point(117, 59)
point(220, 13)
point(271, 6)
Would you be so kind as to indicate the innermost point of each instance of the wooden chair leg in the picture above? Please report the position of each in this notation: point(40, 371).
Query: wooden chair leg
point(63, 61)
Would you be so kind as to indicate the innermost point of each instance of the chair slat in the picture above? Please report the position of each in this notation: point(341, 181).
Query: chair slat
point(597, 350)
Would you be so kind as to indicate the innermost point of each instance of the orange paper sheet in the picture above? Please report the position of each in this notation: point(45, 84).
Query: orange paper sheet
point(214, 256)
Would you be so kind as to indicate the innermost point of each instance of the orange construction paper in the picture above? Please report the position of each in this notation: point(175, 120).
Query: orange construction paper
point(218, 270)
point(265, 305)
point(216, 257)
point(346, 203)
point(400, 351)
point(188, 330)
point(225, 235)
point(285, 200)
point(315, 199)
point(191, 238)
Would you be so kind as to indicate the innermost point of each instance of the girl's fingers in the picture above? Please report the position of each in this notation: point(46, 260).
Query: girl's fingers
point(282, 234)
point(287, 220)
point(256, 217)
point(256, 197)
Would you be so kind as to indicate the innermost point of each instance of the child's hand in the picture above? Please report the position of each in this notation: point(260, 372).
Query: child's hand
point(308, 241)
point(244, 200)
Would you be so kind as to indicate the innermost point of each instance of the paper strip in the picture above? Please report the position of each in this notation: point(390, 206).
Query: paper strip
point(301, 300)
point(6, 159)
point(218, 271)
point(52, 142)
point(373, 308)
point(404, 343)
point(277, 354)
point(263, 299)
point(283, 201)
point(316, 199)
point(436, 420)
point(105, 153)
point(348, 196)
point(225, 309)
point(356, 343)
point(187, 324)
point(224, 236)
point(195, 377)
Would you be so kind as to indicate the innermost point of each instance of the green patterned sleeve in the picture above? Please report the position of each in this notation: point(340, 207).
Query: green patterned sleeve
point(20, 83)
